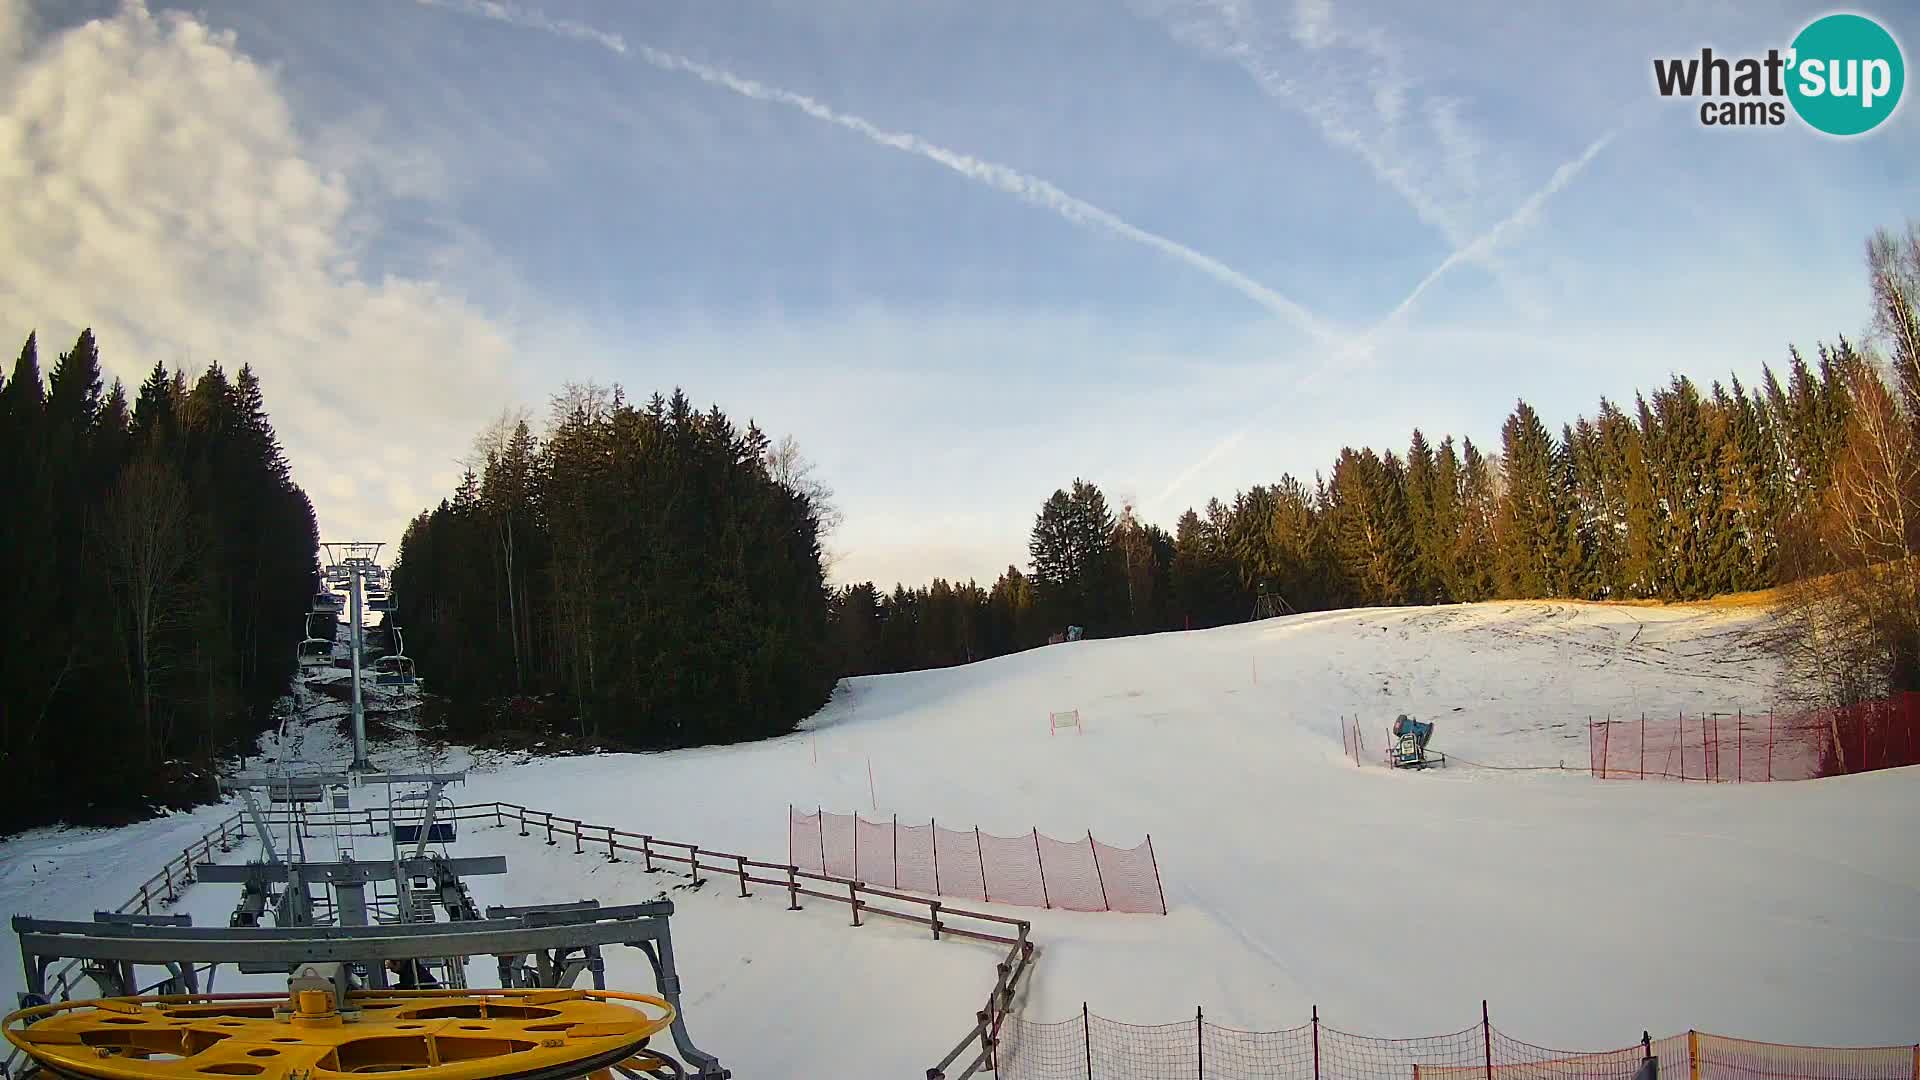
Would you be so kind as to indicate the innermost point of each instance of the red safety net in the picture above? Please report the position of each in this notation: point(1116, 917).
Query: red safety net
point(1740, 1059)
point(1030, 870)
point(1734, 747)
point(1091, 1047)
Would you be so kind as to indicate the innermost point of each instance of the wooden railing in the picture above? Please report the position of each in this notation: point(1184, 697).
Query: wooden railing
point(658, 853)
point(164, 886)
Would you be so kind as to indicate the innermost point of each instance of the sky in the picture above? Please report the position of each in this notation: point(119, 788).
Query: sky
point(963, 251)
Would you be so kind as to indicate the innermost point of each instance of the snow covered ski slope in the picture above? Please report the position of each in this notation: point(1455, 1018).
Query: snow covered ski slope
point(1584, 911)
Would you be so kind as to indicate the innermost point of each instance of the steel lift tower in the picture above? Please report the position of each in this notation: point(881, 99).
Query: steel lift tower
point(356, 559)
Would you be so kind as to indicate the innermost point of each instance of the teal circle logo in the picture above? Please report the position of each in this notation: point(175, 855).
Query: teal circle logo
point(1846, 74)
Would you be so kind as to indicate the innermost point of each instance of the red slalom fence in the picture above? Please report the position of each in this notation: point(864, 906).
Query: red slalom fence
point(1737, 748)
point(1091, 1047)
point(1030, 870)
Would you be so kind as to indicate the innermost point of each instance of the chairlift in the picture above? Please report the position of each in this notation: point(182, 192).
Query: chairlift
point(381, 602)
point(407, 819)
point(326, 603)
point(396, 670)
point(316, 652)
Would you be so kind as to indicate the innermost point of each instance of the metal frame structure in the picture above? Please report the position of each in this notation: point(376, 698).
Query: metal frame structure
point(341, 938)
point(332, 953)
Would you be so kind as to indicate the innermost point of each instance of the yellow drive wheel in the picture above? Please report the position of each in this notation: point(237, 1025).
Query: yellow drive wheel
point(430, 1034)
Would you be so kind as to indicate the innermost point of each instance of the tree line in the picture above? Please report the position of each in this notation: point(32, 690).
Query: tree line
point(1684, 493)
point(159, 562)
point(652, 569)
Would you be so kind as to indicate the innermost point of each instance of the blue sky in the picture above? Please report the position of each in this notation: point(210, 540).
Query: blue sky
point(410, 216)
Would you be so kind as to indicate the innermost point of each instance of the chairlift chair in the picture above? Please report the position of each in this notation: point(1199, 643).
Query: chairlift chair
point(325, 603)
point(407, 819)
point(396, 670)
point(316, 652)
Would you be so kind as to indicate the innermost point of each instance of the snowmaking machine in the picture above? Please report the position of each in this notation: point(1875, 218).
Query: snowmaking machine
point(1409, 750)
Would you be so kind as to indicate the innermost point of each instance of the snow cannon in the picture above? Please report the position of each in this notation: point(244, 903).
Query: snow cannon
point(1409, 745)
point(430, 1035)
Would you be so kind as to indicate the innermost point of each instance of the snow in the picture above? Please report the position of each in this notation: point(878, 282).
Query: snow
point(1584, 911)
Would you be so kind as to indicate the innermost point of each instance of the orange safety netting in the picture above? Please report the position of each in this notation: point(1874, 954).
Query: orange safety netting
point(1734, 747)
point(1092, 1047)
point(1030, 870)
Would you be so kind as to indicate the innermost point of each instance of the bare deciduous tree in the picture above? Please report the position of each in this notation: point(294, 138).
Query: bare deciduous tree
point(791, 468)
point(149, 545)
point(1851, 616)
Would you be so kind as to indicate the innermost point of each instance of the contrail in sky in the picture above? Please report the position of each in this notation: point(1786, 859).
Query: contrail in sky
point(1029, 189)
point(1359, 349)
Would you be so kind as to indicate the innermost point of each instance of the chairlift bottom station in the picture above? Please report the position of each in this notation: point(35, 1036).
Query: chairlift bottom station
point(337, 950)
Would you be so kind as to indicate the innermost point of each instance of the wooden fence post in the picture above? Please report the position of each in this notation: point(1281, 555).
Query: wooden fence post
point(793, 888)
point(853, 899)
point(743, 875)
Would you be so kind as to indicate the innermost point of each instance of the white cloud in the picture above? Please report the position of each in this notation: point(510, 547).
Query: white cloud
point(153, 186)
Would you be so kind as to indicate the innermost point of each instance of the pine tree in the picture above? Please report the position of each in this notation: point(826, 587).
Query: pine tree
point(1531, 527)
point(1429, 519)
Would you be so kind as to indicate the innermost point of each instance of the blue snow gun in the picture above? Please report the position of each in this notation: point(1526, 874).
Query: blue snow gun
point(1410, 744)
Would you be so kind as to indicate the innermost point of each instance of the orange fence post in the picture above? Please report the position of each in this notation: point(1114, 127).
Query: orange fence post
point(1693, 1055)
point(1739, 746)
point(1606, 741)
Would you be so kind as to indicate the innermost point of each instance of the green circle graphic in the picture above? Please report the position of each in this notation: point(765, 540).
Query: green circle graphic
point(1847, 74)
